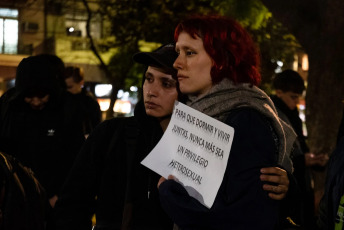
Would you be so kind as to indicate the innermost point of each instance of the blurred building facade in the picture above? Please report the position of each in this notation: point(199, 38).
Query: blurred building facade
point(31, 27)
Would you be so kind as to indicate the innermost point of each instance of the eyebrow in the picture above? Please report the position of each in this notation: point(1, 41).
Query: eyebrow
point(148, 74)
point(166, 75)
point(168, 79)
point(184, 47)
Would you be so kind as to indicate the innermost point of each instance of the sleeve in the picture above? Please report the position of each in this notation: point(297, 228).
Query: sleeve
point(241, 202)
point(76, 203)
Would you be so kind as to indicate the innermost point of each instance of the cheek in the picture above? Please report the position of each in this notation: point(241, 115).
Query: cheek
point(144, 91)
point(169, 104)
point(291, 104)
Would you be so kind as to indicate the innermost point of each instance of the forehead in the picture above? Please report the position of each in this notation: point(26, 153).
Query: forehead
point(291, 93)
point(158, 72)
point(185, 40)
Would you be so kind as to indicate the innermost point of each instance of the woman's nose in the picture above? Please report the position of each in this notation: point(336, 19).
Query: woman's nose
point(177, 63)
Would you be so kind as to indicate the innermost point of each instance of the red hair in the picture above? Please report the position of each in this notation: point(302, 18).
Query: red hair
point(229, 45)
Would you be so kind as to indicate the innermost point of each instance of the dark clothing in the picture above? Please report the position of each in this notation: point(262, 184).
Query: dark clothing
point(341, 129)
point(45, 140)
point(334, 189)
point(293, 119)
point(89, 110)
point(22, 198)
point(304, 213)
point(241, 202)
point(107, 179)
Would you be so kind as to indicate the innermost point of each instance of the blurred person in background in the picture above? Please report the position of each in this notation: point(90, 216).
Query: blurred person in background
point(39, 124)
point(88, 105)
point(289, 86)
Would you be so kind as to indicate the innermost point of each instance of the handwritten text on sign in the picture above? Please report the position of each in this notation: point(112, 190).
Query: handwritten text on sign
point(195, 149)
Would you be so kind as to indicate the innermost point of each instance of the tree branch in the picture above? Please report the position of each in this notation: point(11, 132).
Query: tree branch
point(302, 18)
point(93, 47)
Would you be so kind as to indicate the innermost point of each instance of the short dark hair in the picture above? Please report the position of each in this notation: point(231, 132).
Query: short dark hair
point(289, 81)
point(75, 73)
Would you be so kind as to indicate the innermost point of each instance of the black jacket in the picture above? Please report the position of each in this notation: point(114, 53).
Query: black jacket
point(107, 179)
point(45, 140)
point(241, 202)
point(88, 109)
point(302, 203)
point(334, 189)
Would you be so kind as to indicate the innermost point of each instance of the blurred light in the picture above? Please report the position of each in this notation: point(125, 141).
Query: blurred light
point(125, 96)
point(102, 90)
point(120, 93)
point(278, 69)
point(133, 88)
point(104, 104)
point(302, 117)
point(6, 12)
point(71, 29)
point(304, 62)
point(296, 62)
point(279, 63)
point(122, 106)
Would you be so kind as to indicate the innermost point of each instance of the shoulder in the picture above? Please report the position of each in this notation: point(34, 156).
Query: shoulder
point(245, 116)
point(251, 125)
point(116, 124)
point(283, 116)
point(9, 95)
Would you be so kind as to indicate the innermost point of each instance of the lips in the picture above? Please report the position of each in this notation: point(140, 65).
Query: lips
point(181, 77)
point(150, 105)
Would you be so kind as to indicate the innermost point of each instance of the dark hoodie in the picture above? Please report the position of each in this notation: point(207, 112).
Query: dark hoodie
point(36, 72)
point(107, 179)
point(45, 140)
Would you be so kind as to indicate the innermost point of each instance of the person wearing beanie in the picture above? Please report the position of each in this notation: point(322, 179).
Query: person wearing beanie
point(37, 124)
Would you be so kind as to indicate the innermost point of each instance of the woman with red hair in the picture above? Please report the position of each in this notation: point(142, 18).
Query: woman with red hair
point(218, 70)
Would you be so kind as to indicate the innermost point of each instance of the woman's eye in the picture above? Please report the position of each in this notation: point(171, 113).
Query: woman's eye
point(188, 53)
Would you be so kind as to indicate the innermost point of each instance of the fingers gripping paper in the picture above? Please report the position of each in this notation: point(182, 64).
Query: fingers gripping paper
point(195, 149)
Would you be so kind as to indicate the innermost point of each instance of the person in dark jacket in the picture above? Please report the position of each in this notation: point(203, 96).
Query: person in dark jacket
point(37, 123)
point(107, 178)
point(89, 107)
point(218, 69)
point(289, 87)
point(331, 207)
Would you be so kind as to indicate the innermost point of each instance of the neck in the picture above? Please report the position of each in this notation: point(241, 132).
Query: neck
point(164, 121)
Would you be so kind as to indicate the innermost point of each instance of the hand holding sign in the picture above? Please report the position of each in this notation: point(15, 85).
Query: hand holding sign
point(195, 149)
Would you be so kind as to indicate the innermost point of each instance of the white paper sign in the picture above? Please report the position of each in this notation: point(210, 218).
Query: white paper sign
point(195, 149)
